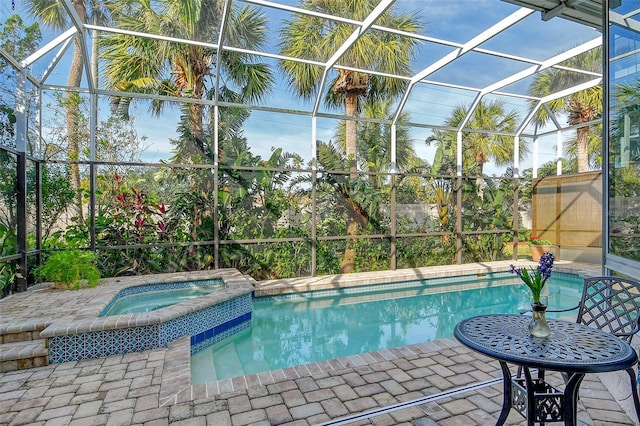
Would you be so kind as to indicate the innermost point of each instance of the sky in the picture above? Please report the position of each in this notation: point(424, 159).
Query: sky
point(454, 20)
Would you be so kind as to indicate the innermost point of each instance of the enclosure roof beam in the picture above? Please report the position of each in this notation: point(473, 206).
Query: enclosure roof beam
point(307, 61)
point(571, 90)
point(358, 32)
point(200, 43)
point(56, 59)
point(214, 46)
point(585, 47)
point(223, 29)
point(489, 33)
point(15, 64)
point(472, 108)
point(566, 128)
point(552, 116)
point(188, 100)
point(527, 119)
point(152, 36)
point(304, 11)
point(318, 63)
point(542, 103)
point(65, 36)
point(625, 20)
point(9, 57)
point(80, 25)
point(556, 11)
point(420, 37)
point(505, 23)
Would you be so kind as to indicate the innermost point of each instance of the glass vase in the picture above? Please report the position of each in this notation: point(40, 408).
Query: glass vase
point(538, 327)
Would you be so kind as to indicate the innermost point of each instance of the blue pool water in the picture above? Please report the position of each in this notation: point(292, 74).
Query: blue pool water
point(158, 298)
point(315, 326)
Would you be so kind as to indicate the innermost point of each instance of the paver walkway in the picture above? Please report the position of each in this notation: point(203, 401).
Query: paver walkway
point(126, 390)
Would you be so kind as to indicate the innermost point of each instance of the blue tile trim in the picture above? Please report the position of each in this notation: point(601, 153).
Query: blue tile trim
point(75, 347)
point(215, 321)
point(220, 329)
point(205, 319)
point(209, 341)
point(397, 285)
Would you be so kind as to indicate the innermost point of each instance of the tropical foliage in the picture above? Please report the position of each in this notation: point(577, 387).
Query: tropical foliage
point(70, 269)
point(216, 203)
point(139, 65)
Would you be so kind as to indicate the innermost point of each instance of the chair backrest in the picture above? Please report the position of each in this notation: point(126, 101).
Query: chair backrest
point(611, 304)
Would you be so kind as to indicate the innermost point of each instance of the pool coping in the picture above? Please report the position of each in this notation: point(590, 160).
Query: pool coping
point(177, 373)
point(334, 282)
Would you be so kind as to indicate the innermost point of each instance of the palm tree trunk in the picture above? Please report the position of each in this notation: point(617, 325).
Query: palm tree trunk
point(73, 151)
point(73, 112)
point(479, 173)
point(197, 135)
point(351, 107)
point(582, 148)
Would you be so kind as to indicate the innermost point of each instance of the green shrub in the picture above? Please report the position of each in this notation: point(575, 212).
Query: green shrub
point(71, 269)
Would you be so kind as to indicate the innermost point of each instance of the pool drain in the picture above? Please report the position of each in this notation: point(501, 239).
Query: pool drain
point(431, 408)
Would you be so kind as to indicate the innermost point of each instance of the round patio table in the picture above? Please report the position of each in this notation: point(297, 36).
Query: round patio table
point(573, 349)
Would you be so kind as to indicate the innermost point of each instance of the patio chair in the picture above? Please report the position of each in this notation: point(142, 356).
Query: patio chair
point(611, 304)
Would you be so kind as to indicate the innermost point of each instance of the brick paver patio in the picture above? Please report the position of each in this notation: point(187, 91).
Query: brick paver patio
point(126, 390)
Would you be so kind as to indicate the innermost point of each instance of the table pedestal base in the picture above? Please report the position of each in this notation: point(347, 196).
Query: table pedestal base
point(542, 403)
point(538, 401)
point(572, 349)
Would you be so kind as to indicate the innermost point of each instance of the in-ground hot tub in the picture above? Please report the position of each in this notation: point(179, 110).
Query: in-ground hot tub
point(206, 319)
point(151, 297)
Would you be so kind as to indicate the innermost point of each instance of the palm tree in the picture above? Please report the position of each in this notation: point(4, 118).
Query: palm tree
point(374, 154)
point(594, 151)
point(581, 107)
point(314, 38)
point(137, 64)
point(487, 143)
point(53, 14)
point(374, 140)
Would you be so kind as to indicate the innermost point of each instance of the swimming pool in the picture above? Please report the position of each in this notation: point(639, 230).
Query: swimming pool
point(302, 328)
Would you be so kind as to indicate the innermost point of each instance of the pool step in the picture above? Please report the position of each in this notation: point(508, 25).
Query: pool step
point(21, 347)
point(22, 355)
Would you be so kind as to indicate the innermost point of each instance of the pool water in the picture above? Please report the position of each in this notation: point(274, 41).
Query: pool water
point(293, 330)
point(153, 300)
